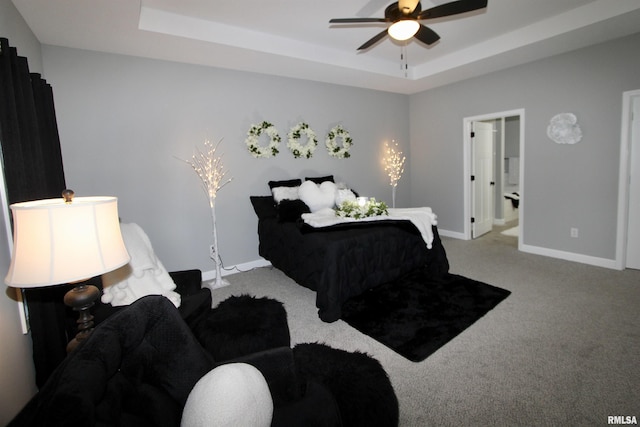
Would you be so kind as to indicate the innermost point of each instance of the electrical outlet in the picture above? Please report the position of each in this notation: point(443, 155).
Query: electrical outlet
point(212, 252)
point(574, 232)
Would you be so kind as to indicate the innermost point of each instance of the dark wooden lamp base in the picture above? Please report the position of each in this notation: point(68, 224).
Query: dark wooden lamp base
point(81, 298)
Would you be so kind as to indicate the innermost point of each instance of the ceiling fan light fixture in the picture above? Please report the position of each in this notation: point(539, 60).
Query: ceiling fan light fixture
point(403, 29)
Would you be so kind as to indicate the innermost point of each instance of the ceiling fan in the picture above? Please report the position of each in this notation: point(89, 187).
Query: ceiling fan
point(404, 16)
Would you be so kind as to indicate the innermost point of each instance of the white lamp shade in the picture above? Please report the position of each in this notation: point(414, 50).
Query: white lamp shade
point(403, 29)
point(56, 242)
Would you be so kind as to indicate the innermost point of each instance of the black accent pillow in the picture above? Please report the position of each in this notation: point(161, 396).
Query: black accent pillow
point(285, 183)
point(291, 210)
point(264, 206)
point(319, 179)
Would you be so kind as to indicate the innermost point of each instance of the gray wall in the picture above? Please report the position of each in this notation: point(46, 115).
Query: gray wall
point(124, 121)
point(565, 186)
point(17, 375)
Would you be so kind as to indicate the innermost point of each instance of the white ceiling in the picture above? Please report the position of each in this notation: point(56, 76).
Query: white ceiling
point(293, 38)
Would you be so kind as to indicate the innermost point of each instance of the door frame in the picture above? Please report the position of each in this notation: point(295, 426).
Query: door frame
point(466, 153)
point(623, 180)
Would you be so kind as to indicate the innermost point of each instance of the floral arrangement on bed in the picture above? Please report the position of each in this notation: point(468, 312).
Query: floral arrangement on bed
point(353, 209)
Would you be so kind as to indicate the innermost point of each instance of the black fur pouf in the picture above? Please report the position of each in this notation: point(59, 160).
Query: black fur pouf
point(357, 381)
point(242, 325)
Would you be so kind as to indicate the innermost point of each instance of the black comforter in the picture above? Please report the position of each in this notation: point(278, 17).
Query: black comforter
point(342, 261)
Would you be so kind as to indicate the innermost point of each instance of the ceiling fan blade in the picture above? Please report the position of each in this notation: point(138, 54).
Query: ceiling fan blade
point(453, 8)
point(373, 40)
point(355, 20)
point(426, 35)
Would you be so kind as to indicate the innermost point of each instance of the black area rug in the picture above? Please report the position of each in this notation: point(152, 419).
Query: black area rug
point(416, 315)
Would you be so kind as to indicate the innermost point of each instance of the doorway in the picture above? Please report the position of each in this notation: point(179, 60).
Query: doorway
point(628, 232)
point(505, 177)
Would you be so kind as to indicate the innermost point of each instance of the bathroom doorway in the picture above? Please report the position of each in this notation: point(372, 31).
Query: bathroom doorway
point(506, 177)
point(628, 238)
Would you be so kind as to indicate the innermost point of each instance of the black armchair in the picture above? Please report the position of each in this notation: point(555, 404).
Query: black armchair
point(142, 361)
point(53, 324)
point(136, 368)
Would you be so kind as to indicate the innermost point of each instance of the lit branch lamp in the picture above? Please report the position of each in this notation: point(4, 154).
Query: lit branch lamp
point(68, 240)
point(394, 166)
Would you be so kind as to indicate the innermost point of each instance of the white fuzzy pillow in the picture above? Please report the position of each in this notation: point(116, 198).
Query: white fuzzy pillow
point(231, 395)
point(284, 193)
point(342, 195)
point(318, 196)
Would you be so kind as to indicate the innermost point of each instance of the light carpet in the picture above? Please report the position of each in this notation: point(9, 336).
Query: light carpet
point(561, 350)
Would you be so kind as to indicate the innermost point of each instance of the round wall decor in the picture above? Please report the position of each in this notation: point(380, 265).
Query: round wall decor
point(564, 129)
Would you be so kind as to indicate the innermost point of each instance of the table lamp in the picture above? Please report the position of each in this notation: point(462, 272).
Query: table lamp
point(67, 240)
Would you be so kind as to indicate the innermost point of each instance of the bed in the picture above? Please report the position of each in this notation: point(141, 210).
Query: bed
point(342, 260)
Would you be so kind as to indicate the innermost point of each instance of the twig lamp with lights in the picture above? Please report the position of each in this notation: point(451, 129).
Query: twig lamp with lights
point(67, 240)
point(208, 165)
point(394, 166)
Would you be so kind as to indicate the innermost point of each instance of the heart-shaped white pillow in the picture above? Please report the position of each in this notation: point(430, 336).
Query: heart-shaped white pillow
point(318, 196)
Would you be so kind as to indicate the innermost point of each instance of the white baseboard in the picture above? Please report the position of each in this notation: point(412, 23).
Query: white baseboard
point(553, 253)
point(570, 256)
point(452, 234)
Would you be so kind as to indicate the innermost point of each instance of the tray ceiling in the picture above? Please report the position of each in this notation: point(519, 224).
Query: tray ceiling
point(293, 38)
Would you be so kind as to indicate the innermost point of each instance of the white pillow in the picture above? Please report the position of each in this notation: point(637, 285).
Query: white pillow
point(318, 196)
point(343, 195)
point(231, 395)
point(284, 193)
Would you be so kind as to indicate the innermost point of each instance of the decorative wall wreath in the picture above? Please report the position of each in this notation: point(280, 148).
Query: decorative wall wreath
point(253, 140)
point(332, 142)
point(299, 150)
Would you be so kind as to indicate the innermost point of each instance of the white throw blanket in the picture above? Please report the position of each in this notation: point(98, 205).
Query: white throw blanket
point(143, 275)
point(422, 218)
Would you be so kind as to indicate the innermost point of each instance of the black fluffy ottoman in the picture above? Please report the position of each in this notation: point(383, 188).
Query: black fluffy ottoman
point(358, 382)
point(241, 325)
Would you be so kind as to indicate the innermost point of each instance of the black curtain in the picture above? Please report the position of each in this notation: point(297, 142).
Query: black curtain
point(32, 162)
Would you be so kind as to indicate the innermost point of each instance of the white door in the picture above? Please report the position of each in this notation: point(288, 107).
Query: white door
point(633, 227)
point(482, 181)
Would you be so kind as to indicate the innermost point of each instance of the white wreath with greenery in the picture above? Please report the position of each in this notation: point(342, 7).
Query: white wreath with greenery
point(299, 150)
point(332, 142)
point(253, 140)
